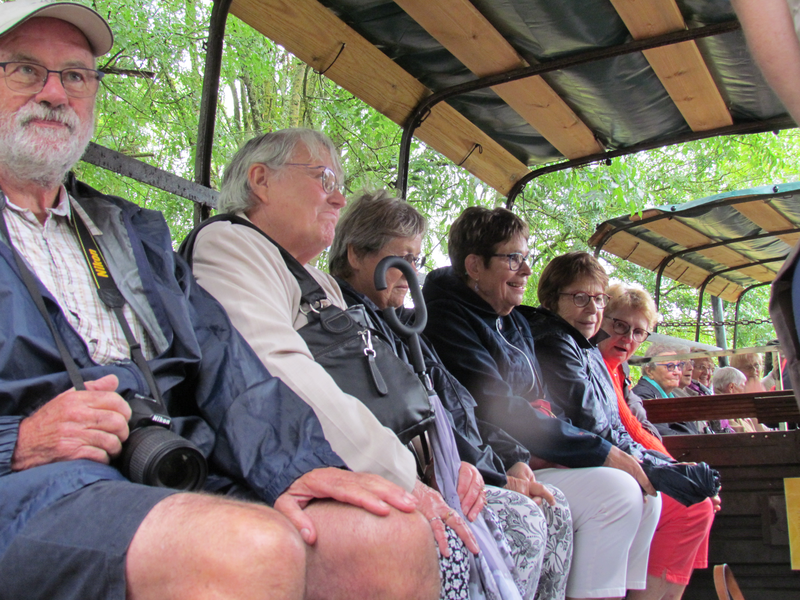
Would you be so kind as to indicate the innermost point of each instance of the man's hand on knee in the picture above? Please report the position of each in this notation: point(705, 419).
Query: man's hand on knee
point(90, 424)
point(370, 492)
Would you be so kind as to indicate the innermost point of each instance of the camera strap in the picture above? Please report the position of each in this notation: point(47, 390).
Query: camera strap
point(110, 295)
point(107, 290)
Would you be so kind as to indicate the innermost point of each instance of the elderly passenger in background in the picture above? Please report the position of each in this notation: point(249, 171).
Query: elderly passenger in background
point(730, 380)
point(751, 365)
point(377, 225)
point(686, 380)
point(680, 544)
point(702, 371)
point(659, 380)
point(488, 346)
point(288, 184)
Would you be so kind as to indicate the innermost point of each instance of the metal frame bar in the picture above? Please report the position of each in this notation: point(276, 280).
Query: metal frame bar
point(711, 276)
point(736, 312)
point(422, 110)
point(148, 174)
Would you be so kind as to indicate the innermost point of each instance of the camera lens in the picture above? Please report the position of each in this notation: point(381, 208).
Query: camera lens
point(159, 457)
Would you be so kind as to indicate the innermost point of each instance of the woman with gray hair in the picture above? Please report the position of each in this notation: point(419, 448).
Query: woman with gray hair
point(660, 380)
point(288, 184)
point(377, 225)
point(730, 380)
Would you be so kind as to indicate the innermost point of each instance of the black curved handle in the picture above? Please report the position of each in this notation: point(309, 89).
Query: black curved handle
point(408, 332)
point(420, 311)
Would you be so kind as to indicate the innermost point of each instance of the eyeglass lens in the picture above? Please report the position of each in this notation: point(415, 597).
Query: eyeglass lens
point(672, 366)
point(621, 328)
point(329, 183)
point(327, 176)
point(515, 259)
point(414, 261)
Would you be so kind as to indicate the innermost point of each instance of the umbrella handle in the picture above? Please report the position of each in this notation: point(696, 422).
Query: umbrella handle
point(409, 332)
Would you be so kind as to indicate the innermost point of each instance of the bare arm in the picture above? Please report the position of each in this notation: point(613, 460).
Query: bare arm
point(771, 37)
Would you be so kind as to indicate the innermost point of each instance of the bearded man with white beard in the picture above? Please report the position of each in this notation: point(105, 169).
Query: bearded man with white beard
point(74, 352)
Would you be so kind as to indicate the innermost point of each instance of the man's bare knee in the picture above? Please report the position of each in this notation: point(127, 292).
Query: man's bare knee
point(359, 555)
point(197, 546)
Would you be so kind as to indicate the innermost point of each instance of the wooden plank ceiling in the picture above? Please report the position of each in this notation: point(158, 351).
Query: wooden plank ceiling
point(679, 230)
point(647, 255)
point(315, 35)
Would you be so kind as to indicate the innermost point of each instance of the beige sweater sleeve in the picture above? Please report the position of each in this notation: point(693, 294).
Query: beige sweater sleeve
point(246, 273)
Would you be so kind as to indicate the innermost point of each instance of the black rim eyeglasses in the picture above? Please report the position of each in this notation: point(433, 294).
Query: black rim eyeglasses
point(30, 78)
point(515, 259)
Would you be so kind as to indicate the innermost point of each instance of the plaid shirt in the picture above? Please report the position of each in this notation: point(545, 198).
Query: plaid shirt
point(54, 254)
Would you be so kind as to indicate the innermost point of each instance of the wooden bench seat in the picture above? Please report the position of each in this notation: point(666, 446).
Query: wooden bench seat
point(767, 407)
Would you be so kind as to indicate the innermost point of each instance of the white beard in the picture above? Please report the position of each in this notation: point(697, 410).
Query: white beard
point(39, 155)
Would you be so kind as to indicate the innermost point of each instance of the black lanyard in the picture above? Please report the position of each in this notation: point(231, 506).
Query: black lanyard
point(107, 290)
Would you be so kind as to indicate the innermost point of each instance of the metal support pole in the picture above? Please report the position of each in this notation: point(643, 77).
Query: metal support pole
point(700, 308)
point(208, 101)
point(719, 330)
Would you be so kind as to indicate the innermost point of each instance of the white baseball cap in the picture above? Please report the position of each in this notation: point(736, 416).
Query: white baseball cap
point(93, 26)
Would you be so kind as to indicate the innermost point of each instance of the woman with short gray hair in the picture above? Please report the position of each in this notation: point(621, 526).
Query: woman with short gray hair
point(275, 150)
point(377, 225)
point(373, 220)
point(729, 380)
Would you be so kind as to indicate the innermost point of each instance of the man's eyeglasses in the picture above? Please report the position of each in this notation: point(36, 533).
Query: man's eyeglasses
point(327, 176)
point(620, 327)
point(671, 366)
point(415, 261)
point(30, 78)
point(581, 299)
point(515, 259)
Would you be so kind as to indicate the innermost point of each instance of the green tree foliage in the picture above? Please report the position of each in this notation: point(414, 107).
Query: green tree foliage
point(149, 103)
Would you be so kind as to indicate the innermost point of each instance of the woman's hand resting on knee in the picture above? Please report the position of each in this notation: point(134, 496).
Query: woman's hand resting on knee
point(522, 480)
point(617, 459)
point(432, 505)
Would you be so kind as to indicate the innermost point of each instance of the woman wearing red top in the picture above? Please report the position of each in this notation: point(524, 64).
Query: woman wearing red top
point(683, 531)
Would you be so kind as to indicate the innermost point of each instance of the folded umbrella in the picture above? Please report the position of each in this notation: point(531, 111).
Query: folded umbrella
point(688, 483)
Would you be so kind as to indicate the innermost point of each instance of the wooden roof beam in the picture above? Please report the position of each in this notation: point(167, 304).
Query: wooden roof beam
point(316, 36)
point(680, 67)
point(765, 216)
point(471, 38)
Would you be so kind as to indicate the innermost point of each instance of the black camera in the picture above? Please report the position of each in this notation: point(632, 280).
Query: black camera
point(154, 455)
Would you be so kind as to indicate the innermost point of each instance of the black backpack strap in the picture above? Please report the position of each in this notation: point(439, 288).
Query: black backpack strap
point(311, 292)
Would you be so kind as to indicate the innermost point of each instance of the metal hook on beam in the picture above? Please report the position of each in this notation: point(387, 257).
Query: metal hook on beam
point(333, 62)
